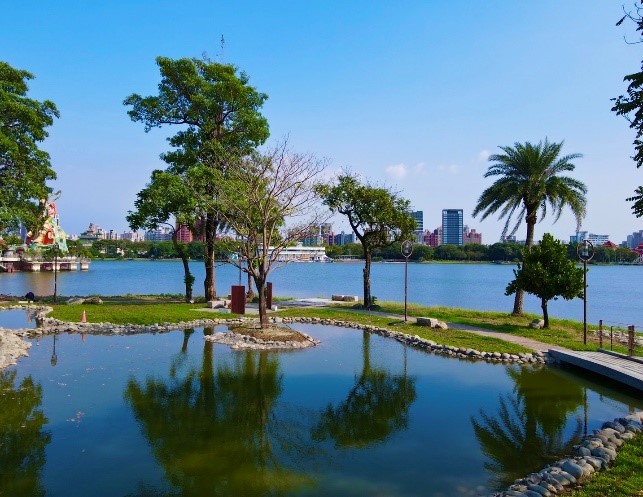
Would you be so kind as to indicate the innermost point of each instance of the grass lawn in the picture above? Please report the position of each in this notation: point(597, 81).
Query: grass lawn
point(149, 310)
point(623, 479)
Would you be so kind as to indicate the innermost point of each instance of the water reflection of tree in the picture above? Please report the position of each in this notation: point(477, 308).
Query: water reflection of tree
point(374, 408)
point(528, 430)
point(22, 440)
point(213, 431)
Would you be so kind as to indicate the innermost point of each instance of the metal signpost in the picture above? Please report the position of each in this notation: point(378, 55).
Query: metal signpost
point(407, 250)
point(585, 251)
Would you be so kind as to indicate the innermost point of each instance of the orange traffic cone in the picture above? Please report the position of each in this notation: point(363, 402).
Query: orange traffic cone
point(83, 318)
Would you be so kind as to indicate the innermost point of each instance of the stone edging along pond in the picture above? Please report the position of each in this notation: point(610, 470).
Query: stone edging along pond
point(595, 452)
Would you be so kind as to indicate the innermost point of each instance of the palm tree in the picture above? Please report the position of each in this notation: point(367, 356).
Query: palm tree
point(530, 180)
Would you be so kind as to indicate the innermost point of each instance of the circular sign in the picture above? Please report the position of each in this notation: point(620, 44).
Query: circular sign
point(585, 250)
point(407, 248)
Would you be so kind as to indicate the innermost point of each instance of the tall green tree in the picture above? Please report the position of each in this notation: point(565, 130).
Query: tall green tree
point(269, 200)
point(377, 216)
point(630, 106)
point(166, 198)
point(24, 168)
point(548, 273)
point(531, 181)
point(217, 112)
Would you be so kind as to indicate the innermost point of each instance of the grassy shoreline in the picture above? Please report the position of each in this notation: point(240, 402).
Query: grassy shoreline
point(150, 310)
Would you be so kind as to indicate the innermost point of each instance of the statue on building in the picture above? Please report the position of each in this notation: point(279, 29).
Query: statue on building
point(51, 234)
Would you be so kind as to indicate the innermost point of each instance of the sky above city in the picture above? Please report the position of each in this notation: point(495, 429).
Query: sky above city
point(410, 95)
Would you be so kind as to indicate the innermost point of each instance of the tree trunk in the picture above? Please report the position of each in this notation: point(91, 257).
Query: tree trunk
point(188, 279)
point(543, 305)
point(250, 293)
point(367, 279)
point(210, 232)
point(260, 282)
point(520, 294)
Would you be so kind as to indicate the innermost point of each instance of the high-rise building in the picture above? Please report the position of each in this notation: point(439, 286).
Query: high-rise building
point(452, 227)
point(183, 233)
point(596, 240)
point(343, 238)
point(434, 238)
point(158, 235)
point(418, 232)
point(470, 236)
point(327, 235)
point(634, 239)
point(133, 236)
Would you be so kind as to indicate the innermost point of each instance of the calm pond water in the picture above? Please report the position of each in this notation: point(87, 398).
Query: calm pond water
point(614, 293)
point(17, 318)
point(174, 415)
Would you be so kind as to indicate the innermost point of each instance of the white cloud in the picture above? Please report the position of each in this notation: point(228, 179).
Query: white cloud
point(483, 155)
point(419, 167)
point(398, 171)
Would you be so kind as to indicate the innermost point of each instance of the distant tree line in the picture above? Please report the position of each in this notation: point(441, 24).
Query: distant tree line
point(497, 252)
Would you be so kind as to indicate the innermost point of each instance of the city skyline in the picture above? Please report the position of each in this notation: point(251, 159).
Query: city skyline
point(413, 98)
point(630, 240)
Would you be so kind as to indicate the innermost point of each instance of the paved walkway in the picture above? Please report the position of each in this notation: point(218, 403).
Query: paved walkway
point(507, 337)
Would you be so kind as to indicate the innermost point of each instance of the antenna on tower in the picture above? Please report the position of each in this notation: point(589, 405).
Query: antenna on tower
point(222, 48)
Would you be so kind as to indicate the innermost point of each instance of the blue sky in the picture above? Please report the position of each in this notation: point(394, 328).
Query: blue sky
point(414, 95)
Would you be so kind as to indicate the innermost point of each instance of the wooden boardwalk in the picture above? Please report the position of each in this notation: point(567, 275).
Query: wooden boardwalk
point(617, 367)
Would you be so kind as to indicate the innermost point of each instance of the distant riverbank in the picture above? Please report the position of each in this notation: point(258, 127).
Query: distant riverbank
point(614, 293)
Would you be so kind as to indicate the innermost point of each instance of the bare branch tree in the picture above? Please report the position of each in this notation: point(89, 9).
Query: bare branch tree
point(269, 201)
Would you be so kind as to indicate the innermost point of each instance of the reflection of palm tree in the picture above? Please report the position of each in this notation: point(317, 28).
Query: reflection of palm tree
point(527, 432)
point(375, 407)
point(22, 441)
point(212, 430)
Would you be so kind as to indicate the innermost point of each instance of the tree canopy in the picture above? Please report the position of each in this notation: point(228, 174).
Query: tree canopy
point(630, 106)
point(218, 116)
point(165, 198)
point(530, 181)
point(269, 201)
point(548, 273)
point(377, 216)
point(24, 168)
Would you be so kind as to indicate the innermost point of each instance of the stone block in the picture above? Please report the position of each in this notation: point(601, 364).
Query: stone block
point(432, 323)
point(216, 304)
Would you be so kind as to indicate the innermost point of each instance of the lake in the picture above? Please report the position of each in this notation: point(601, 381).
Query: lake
point(171, 414)
point(614, 294)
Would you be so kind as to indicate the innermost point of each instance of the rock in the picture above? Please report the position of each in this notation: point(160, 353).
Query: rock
point(93, 300)
point(604, 453)
point(75, 301)
point(432, 323)
point(541, 490)
point(537, 324)
point(572, 468)
point(561, 479)
point(582, 451)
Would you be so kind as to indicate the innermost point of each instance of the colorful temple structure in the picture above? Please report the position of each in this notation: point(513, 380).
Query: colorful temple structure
point(46, 251)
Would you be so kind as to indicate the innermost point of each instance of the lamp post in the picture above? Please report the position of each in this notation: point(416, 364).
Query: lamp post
point(585, 251)
point(407, 250)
